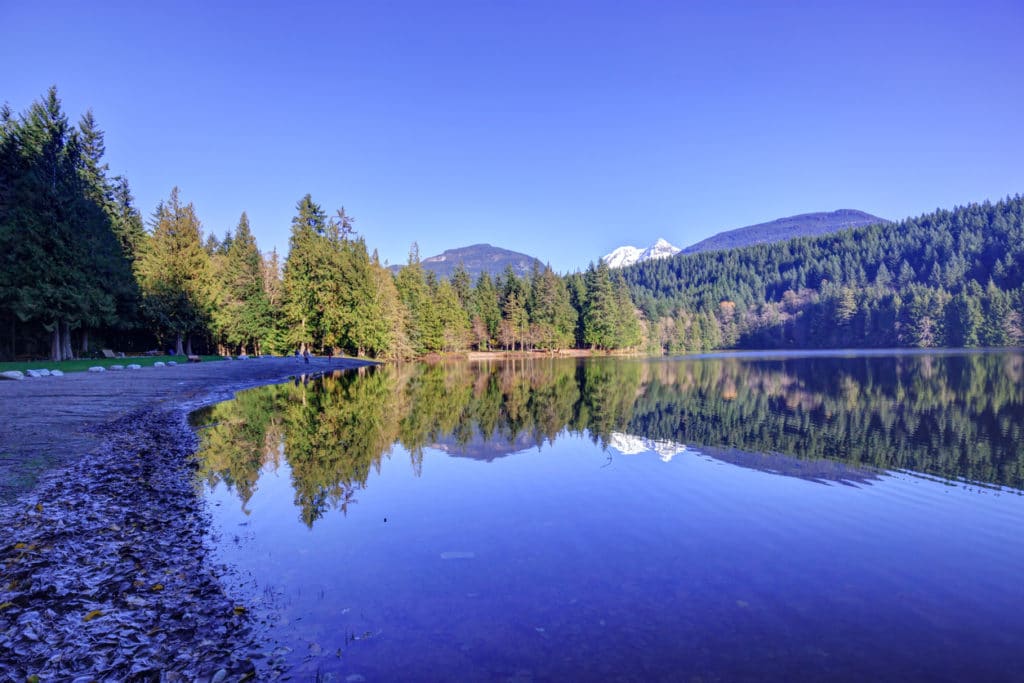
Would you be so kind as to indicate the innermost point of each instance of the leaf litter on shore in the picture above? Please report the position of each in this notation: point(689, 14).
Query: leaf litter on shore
point(105, 570)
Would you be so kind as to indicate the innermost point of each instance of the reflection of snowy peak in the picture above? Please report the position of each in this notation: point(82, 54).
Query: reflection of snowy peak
point(627, 256)
point(627, 444)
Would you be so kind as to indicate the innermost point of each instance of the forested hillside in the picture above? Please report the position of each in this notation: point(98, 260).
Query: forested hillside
point(950, 278)
point(791, 227)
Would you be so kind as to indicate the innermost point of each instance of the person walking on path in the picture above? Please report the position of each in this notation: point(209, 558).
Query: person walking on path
point(305, 356)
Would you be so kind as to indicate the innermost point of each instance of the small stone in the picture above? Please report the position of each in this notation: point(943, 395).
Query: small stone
point(219, 676)
point(97, 368)
point(32, 373)
point(56, 373)
point(171, 363)
point(43, 372)
point(134, 366)
point(12, 374)
point(159, 364)
point(117, 367)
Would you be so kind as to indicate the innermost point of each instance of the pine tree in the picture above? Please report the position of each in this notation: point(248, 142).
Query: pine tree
point(601, 312)
point(423, 328)
point(243, 306)
point(305, 275)
point(486, 314)
point(173, 274)
point(63, 268)
point(552, 313)
point(452, 318)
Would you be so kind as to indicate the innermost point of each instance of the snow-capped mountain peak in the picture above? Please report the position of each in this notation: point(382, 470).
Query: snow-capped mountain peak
point(660, 249)
point(622, 257)
point(628, 255)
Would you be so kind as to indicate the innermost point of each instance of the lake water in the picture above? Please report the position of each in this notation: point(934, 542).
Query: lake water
point(723, 519)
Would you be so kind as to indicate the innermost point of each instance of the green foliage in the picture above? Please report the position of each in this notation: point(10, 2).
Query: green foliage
point(958, 274)
point(609, 318)
point(62, 266)
point(242, 314)
point(306, 274)
point(422, 325)
point(173, 273)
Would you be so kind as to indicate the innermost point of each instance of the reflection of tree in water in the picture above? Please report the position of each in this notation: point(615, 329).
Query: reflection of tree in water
point(952, 416)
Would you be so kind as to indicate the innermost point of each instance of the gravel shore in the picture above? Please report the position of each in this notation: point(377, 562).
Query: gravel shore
point(105, 561)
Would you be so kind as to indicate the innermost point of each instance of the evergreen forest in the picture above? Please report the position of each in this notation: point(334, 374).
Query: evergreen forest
point(81, 269)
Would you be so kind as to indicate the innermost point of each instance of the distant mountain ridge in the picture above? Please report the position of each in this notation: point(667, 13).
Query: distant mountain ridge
point(478, 258)
point(780, 229)
point(628, 255)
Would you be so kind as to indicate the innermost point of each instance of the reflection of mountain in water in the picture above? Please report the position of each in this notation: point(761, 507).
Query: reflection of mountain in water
point(480, 447)
point(821, 470)
point(817, 418)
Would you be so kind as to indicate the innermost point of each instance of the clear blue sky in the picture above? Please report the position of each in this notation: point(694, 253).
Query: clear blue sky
point(561, 129)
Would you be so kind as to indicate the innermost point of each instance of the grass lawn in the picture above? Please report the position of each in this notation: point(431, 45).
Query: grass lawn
point(86, 363)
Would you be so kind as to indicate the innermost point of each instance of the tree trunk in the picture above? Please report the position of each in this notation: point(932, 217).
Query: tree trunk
point(188, 346)
point(65, 342)
point(178, 350)
point(84, 351)
point(55, 343)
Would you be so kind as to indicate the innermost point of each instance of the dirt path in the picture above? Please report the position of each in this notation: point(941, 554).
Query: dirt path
point(49, 422)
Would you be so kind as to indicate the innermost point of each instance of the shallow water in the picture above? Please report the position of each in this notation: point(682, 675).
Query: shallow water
point(631, 520)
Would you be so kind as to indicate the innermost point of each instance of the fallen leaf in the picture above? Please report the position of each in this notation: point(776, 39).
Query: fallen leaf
point(92, 615)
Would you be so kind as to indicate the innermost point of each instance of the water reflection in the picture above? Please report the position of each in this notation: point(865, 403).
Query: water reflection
point(818, 418)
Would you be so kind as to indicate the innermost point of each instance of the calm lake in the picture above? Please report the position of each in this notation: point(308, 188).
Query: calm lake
point(842, 518)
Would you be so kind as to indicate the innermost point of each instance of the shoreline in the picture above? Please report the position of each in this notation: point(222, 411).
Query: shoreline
point(108, 571)
point(50, 422)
